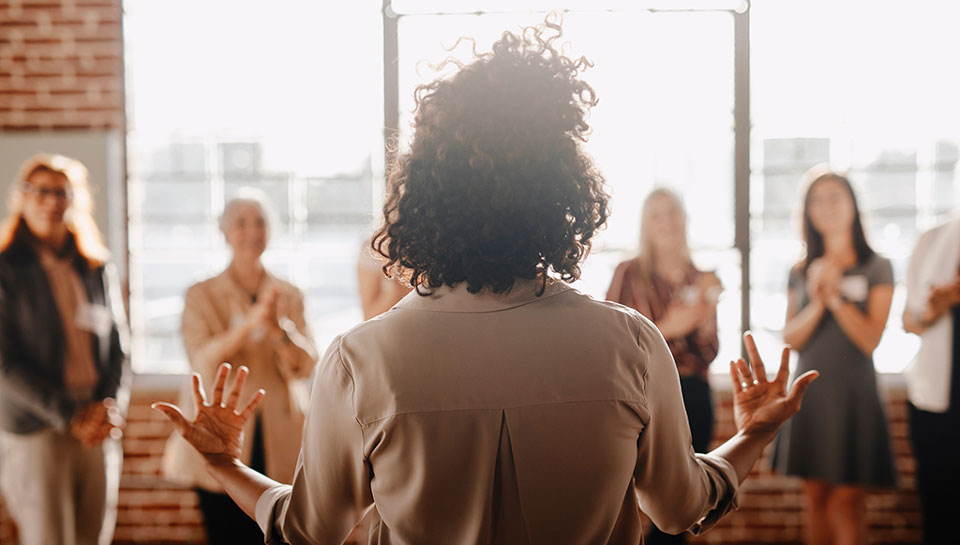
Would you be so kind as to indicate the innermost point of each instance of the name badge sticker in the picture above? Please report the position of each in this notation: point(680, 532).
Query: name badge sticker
point(855, 288)
point(96, 319)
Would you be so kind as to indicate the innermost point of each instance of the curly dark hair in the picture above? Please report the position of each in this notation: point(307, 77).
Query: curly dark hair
point(496, 185)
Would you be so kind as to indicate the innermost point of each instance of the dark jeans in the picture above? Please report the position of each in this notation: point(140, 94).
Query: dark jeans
point(224, 522)
point(936, 442)
point(699, 405)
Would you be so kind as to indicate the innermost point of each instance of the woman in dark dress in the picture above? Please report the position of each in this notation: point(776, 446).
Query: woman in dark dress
point(839, 300)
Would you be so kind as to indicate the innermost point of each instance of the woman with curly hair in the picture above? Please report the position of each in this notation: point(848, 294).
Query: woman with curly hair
point(496, 404)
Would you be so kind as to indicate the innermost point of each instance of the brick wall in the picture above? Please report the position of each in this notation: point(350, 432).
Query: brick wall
point(61, 64)
point(771, 510)
point(771, 506)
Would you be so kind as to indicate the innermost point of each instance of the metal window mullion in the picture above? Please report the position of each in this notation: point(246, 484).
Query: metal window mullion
point(741, 115)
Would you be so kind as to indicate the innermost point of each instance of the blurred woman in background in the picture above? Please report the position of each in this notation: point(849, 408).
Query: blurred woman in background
point(62, 360)
point(665, 286)
point(378, 293)
point(933, 379)
point(248, 317)
point(839, 300)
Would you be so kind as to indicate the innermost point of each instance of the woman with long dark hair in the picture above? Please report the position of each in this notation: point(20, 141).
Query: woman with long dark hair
point(839, 300)
point(62, 358)
point(496, 404)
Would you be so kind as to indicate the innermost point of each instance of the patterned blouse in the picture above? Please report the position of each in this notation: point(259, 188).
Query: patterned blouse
point(693, 352)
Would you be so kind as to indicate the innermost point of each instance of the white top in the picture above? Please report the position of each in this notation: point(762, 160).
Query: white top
point(478, 418)
point(934, 262)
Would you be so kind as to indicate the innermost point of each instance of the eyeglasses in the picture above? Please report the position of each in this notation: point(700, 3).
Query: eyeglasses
point(60, 193)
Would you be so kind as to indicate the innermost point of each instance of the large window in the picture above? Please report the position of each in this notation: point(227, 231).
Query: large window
point(226, 94)
point(665, 118)
point(882, 106)
point(290, 100)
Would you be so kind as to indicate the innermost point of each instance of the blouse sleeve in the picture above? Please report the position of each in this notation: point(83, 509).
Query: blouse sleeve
point(678, 489)
point(795, 280)
point(881, 273)
point(297, 313)
point(615, 291)
point(331, 489)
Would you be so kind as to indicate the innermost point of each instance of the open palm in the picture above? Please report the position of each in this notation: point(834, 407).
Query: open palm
point(760, 405)
point(217, 431)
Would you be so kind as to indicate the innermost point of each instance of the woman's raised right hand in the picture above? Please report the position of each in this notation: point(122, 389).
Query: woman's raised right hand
point(217, 431)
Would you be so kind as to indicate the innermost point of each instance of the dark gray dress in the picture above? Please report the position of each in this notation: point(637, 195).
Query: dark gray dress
point(840, 434)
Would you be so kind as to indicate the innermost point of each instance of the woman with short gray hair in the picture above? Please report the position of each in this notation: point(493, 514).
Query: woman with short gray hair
point(249, 317)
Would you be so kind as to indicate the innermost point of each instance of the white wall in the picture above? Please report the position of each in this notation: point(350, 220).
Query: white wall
point(102, 153)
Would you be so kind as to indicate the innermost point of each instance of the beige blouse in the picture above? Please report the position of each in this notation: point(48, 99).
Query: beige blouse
point(80, 374)
point(477, 418)
point(211, 307)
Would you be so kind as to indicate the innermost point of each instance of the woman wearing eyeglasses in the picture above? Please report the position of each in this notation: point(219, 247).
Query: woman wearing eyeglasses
point(62, 360)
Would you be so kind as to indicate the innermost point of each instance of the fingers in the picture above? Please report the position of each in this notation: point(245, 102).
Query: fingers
point(233, 398)
point(784, 372)
point(759, 371)
point(746, 376)
point(173, 413)
point(220, 383)
point(255, 400)
point(800, 387)
point(735, 378)
point(198, 393)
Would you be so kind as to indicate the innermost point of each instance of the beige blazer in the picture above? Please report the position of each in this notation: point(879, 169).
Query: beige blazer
point(210, 308)
point(478, 418)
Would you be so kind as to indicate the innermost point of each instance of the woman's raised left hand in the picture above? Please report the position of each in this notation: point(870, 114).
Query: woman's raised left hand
point(761, 406)
point(217, 431)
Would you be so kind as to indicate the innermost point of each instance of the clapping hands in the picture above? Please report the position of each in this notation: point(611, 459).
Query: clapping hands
point(94, 422)
point(823, 280)
point(940, 299)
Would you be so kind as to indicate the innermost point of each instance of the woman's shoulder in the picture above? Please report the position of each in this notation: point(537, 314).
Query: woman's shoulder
point(206, 286)
point(876, 263)
point(286, 288)
point(878, 268)
point(629, 264)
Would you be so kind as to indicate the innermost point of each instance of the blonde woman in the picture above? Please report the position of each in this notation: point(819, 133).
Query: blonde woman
point(664, 285)
point(249, 317)
point(62, 360)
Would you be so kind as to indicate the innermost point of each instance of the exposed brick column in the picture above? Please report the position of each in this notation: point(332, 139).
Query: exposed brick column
point(61, 64)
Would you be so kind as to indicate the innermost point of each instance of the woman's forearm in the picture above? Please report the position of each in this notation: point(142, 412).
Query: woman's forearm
point(862, 331)
point(798, 329)
point(223, 346)
point(912, 324)
point(296, 353)
point(742, 451)
point(242, 484)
